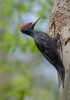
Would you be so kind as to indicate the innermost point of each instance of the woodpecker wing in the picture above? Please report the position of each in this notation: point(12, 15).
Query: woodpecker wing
point(47, 47)
point(51, 50)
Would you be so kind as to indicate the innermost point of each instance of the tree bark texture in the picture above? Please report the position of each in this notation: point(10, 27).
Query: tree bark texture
point(60, 22)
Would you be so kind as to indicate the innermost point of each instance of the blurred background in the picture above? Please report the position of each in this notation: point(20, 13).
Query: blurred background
point(24, 73)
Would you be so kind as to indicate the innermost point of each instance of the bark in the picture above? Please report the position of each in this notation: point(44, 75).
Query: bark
point(60, 22)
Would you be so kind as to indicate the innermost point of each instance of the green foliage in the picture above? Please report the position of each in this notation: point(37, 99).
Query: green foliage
point(18, 80)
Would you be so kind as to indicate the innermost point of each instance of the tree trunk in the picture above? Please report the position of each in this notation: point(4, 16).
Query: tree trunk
point(60, 22)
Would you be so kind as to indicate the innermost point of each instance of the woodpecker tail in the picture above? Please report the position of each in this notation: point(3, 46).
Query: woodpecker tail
point(61, 73)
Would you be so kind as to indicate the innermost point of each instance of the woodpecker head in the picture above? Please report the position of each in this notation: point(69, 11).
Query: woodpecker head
point(25, 28)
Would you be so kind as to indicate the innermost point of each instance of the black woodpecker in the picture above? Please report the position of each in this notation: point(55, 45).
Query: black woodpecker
point(46, 45)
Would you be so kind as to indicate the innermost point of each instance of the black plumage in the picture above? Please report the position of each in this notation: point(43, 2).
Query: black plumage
point(46, 45)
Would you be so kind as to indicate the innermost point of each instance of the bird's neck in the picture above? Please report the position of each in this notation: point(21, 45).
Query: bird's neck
point(31, 33)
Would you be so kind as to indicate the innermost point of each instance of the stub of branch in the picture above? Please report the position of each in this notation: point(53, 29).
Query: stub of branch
point(57, 22)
